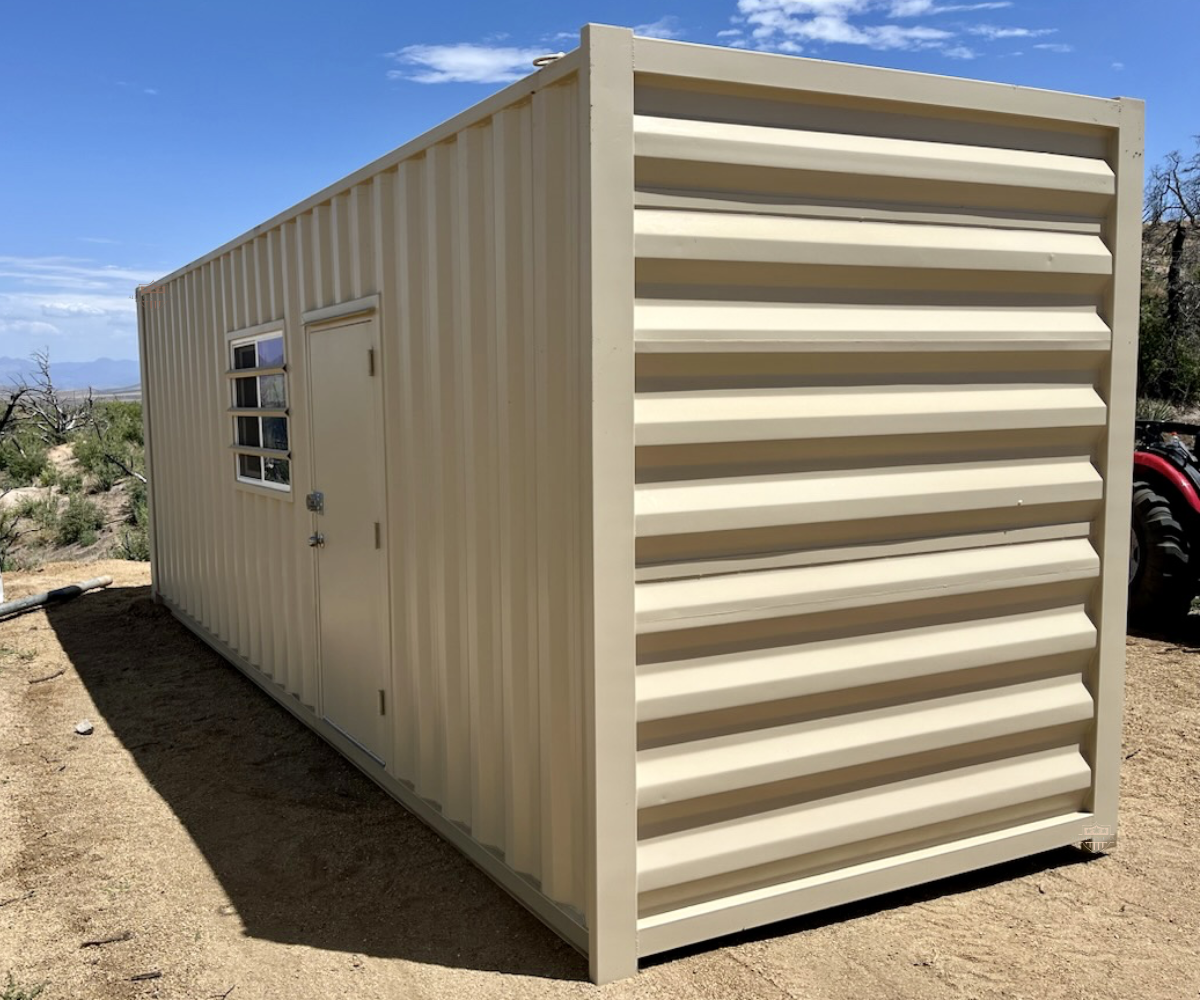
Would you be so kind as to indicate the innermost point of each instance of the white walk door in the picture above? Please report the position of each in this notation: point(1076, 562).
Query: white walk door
point(348, 530)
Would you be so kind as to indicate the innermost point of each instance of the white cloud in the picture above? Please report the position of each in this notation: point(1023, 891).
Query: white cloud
point(921, 8)
point(991, 32)
point(28, 328)
point(1055, 47)
point(464, 62)
point(730, 33)
point(787, 25)
point(664, 27)
point(1118, 66)
point(97, 239)
point(150, 90)
point(83, 305)
point(72, 309)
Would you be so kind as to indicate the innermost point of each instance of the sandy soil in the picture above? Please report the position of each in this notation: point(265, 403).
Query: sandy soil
point(245, 859)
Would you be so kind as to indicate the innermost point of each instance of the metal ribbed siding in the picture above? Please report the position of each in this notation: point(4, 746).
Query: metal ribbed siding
point(757, 436)
point(872, 361)
point(471, 244)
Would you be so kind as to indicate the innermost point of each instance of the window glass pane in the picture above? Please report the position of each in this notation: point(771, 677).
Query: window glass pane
point(278, 470)
point(249, 466)
point(243, 356)
point(270, 391)
point(246, 391)
point(247, 432)
point(270, 352)
point(275, 433)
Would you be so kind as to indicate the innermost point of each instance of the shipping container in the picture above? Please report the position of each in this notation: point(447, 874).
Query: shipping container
point(695, 482)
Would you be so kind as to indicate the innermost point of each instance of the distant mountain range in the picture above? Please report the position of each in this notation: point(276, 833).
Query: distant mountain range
point(103, 373)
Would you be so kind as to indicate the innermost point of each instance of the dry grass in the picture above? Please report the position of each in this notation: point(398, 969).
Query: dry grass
point(240, 852)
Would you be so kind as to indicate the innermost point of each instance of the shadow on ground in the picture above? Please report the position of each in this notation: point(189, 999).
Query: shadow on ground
point(308, 850)
point(1184, 633)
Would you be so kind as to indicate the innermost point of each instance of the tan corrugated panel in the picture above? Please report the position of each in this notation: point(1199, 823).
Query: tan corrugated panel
point(756, 443)
point(872, 343)
point(482, 357)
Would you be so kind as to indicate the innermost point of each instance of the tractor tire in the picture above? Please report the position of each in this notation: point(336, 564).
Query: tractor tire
point(1162, 581)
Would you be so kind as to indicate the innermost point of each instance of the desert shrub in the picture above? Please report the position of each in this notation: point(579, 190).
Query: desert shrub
point(1168, 359)
point(1156, 409)
point(115, 432)
point(22, 458)
point(78, 521)
point(133, 543)
point(41, 511)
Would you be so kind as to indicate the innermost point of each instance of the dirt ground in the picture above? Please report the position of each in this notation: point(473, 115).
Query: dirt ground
point(244, 859)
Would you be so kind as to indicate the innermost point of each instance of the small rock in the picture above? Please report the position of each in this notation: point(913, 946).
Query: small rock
point(84, 728)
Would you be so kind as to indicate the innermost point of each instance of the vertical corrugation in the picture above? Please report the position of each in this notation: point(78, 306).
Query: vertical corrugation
point(554, 324)
point(301, 297)
point(193, 446)
point(216, 391)
point(576, 446)
point(405, 512)
point(511, 204)
point(466, 281)
point(281, 512)
point(436, 762)
point(384, 258)
point(470, 245)
point(476, 295)
point(187, 576)
point(367, 222)
point(459, 737)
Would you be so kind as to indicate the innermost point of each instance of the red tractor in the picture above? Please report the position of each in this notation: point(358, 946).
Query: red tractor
point(1163, 571)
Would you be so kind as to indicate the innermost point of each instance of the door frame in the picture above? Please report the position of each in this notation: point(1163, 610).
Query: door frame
point(326, 320)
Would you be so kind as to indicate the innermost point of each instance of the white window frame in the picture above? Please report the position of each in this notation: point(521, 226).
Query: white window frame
point(270, 331)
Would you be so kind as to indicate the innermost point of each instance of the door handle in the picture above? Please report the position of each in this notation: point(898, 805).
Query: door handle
point(316, 541)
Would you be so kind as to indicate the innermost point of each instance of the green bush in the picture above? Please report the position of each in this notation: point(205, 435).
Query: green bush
point(22, 458)
point(79, 521)
point(134, 540)
point(120, 436)
point(1156, 409)
point(1168, 362)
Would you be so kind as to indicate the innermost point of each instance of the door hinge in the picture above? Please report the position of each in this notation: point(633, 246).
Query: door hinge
point(378, 544)
point(382, 703)
point(370, 361)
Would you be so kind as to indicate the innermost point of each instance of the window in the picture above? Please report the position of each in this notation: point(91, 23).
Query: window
point(259, 407)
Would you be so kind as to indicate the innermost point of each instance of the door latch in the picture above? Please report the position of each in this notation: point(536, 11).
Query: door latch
point(316, 540)
point(315, 502)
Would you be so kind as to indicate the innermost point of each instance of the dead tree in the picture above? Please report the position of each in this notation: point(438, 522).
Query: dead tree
point(52, 416)
point(1172, 214)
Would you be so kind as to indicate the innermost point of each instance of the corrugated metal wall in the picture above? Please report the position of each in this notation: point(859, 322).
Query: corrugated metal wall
point(471, 241)
point(837, 470)
point(872, 357)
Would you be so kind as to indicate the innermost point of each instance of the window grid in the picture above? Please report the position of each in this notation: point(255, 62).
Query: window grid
point(261, 431)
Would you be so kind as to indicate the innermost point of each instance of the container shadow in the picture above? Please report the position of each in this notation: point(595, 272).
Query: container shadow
point(308, 850)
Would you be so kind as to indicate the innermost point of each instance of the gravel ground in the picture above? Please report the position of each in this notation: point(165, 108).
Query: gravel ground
point(236, 854)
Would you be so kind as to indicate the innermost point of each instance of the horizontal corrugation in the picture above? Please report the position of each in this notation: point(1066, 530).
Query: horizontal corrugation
point(866, 156)
point(751, 596)
point(690, 325)
point(809, 497)
point(667, 418)
point(702, 236)
point(856, 816)
point(740, 760)
point(748, 677)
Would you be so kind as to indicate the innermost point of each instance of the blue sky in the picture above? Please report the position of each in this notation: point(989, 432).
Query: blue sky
point(134, 136)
